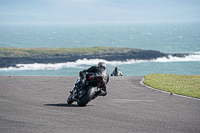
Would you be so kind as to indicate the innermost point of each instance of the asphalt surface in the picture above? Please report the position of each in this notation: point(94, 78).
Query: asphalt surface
point(37, 104)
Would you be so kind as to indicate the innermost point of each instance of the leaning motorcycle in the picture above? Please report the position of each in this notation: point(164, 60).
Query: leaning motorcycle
point(83, 95)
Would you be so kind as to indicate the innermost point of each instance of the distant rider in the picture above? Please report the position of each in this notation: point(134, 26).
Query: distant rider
point(116, 72)
point(99, 70)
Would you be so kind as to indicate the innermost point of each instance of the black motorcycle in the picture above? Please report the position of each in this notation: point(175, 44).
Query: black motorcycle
point(82, 95)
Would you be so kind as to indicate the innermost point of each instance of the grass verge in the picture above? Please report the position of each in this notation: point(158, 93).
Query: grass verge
point(187, 85)
point(24, 52)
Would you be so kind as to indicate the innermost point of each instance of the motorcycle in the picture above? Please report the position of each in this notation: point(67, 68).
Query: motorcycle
point(83, 95)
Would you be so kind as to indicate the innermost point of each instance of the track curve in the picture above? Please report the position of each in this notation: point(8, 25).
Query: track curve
point(38, 104)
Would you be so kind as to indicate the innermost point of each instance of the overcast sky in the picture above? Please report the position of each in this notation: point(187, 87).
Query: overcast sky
point(98, 11)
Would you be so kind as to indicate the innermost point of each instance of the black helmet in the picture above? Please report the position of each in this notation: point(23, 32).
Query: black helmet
point(116, 69)
point(102, 64)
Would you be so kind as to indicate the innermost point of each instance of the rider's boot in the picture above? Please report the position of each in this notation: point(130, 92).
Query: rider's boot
point(97, 94)
point(103, 92)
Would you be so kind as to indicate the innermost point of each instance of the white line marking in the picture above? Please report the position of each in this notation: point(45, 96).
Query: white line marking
point(130, 100)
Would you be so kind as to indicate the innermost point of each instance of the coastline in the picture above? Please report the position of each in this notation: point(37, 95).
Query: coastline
point(12, 58)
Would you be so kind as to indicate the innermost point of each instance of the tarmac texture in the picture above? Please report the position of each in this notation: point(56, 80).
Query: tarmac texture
point(37, 104)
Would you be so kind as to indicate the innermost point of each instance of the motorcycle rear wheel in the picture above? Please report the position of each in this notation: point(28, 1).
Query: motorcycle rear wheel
point(87, 97)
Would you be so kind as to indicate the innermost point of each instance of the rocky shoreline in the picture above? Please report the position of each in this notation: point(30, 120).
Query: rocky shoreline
point(121, 54)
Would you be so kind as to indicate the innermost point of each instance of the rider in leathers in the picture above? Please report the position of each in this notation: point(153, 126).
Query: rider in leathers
point(99, 70)
point(116, 72)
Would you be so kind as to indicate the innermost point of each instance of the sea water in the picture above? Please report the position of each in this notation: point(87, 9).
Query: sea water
point(164, 37)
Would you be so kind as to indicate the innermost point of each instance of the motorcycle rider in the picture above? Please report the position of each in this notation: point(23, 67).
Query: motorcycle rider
point(116, 72)
point(99, 70)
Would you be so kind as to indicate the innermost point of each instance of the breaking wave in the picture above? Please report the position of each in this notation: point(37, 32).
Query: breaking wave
point(191, 57)
point(88, 62)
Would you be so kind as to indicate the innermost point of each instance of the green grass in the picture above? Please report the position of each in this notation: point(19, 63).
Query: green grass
point(24, 52)
point(187, 85)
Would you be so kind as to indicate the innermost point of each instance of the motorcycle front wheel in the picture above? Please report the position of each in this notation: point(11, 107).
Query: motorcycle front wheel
point(87, 97)
point(70, 100)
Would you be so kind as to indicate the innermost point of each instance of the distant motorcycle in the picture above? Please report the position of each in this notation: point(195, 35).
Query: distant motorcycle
point(83, 95)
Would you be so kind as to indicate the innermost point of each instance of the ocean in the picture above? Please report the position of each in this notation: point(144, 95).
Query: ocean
point(164, 37)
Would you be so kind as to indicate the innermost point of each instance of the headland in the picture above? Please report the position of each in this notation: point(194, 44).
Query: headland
point(12, 56)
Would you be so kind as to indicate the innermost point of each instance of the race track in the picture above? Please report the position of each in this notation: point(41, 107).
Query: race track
point(37, 104)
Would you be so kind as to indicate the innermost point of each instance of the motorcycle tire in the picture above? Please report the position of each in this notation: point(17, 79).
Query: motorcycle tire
point(70, 100)
point(87, 97)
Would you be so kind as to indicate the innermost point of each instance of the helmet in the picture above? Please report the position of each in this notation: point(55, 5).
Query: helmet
point(116, 69)
point(101, 64)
